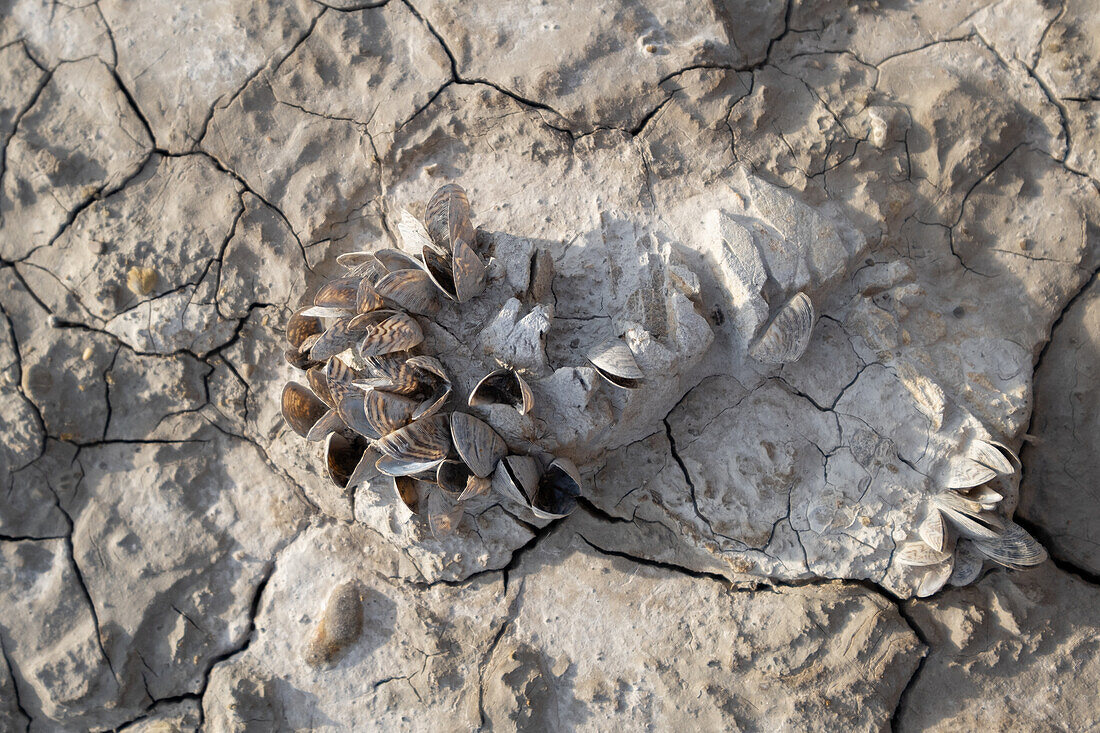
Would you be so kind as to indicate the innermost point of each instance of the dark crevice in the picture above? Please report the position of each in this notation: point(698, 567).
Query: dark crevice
point(903, 698)
point(1066, 566)
point(15, 686)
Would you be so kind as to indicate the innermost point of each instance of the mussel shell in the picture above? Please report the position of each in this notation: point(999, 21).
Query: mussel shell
point(338, 379)
point(918, 554)
point(352, 260)
point(614, 361)
point(557, 492)
point(330, 422)
point(387, 411)
point(983, 495)
point(453, 476)
point(318, 382)
point(476, 443)
point(299, 359)
point(440, 269)
point(516, 478)
point(409, 491)
point(338, 338)
point(351, 410)
point(503, 386)
point(467, 272)
point(964, 473)
point(410, 289)
point(367, 298)
point(443, 516)
point(448, 217)
point(428, 439)
point(990, 455)
point(395, 369)
point(301, 408)
point(399, 332)
point(415, 237)
point(1013, 548)
point(395, 259)
point(342, 457)
point(968, 563)
point(391, 466)
point(788, 334)
point(431, 378)
point(299, 327)
point(339, 293)
point(979, 525)
point(365, 470)
point(935, 577)
point(321, 311)
point(933, 531)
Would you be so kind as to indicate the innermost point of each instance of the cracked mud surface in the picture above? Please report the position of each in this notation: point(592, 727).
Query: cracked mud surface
point(928, 172)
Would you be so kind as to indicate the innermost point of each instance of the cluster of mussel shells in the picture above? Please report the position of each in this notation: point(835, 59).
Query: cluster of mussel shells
point(379, 405)
point(963, 522)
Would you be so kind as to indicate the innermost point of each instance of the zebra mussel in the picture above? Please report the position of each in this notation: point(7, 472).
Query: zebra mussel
point(383, 407)
point(963, 525)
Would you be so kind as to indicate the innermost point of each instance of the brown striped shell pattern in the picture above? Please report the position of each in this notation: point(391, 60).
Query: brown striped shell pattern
point(383, 409)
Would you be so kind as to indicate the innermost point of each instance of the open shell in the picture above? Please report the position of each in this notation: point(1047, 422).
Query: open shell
point(516, 478)
point(429, 376)
point(448, 217)
point(557, 492)
point(330, 422)
point(342, 456)
point(455, 477)
point(301, 408)
point(785, 338)
point(300, 327)
point(614, 361)
point(503, 386)
point(409, 490)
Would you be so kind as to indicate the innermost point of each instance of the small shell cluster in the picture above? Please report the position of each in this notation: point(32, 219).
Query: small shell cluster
point(380, 405)
point(963, 526)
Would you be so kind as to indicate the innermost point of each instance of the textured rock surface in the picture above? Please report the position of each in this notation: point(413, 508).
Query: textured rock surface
point(1060, 490)
point(1035, 632)
point(175, 179)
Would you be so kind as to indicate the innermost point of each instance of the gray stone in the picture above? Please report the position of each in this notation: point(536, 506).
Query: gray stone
point(52, 640)
point(1011, 652)
point(176, 60)
point(80, 139)
point(1058, 493)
